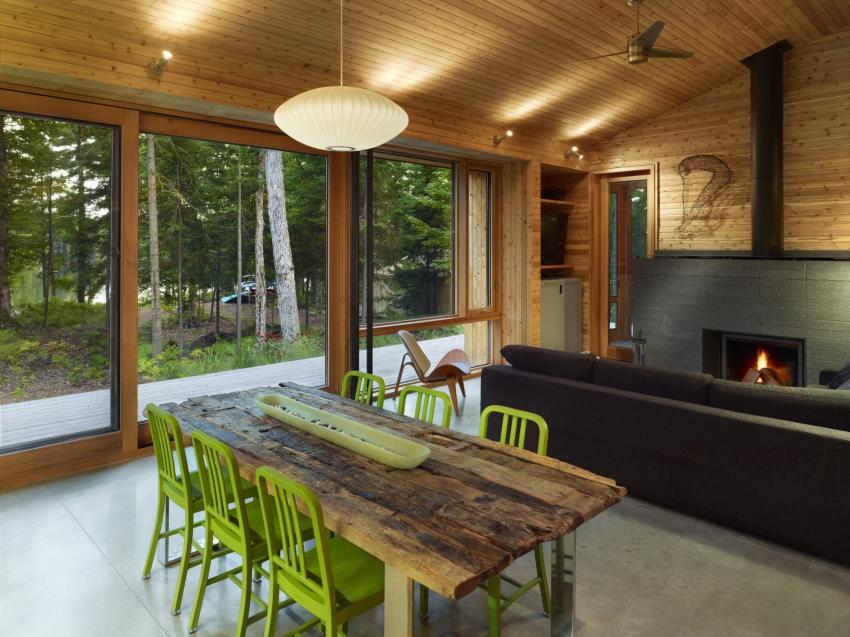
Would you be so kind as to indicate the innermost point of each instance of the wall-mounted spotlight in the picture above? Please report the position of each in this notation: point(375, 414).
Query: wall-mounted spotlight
point(499, 138)
point(573, 153)
point(157, 65)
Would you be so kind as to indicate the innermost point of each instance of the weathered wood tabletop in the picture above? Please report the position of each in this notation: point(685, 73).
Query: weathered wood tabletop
point(467, 512)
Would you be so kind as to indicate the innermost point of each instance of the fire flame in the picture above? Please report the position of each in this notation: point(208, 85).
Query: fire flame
point(762, 361)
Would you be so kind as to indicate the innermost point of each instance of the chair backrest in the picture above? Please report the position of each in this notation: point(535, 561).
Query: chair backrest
point(171, 462)
point(427, 400)
point(279, 499)
point(368, 387)
point(514, 425)
point(221, 487)
point(421, 364)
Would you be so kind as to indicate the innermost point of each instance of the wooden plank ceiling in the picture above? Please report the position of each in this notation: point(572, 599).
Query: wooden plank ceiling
point(493, 62)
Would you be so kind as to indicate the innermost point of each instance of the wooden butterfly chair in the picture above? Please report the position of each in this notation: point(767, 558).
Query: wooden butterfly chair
point(450, 369)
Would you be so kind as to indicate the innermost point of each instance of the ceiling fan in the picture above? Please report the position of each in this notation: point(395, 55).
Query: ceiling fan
point(641, 46)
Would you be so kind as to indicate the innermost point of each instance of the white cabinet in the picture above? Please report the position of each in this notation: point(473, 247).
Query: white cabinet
point(560, 314)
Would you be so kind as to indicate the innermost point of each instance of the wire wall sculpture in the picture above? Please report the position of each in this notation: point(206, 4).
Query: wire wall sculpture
point(700, 217)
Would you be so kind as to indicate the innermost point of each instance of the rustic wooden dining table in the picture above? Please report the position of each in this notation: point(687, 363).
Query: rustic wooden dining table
point(473, 507)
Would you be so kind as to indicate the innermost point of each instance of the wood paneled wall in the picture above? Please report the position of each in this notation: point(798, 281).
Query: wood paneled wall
point(817, 154)
point(520, 254)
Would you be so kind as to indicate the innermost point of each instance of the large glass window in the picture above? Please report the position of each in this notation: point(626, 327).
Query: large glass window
point(56, 279)
point(232, 267)
point(414, 246)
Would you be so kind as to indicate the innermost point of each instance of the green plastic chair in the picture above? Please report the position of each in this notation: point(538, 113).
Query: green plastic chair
point(235, 521)
point(513, 429)
point(426, 403)
point(176, 482)
point(334, 581)
point(368, 388)
point(514, 426)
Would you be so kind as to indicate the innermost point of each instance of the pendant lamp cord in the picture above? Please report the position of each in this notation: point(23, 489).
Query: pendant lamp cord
point(341, 40)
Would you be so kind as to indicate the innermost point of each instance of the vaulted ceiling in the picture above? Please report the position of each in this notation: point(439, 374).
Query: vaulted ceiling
point(492, 62)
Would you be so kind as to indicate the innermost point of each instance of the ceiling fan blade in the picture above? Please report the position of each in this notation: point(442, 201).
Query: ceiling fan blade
point(597, 57)
point(650, 34)
point(660, 52)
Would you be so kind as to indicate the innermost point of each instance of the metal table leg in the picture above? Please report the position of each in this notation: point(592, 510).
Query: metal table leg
point(563, 588)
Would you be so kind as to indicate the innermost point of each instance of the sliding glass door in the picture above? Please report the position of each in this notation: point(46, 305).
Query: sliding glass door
point(58, 280)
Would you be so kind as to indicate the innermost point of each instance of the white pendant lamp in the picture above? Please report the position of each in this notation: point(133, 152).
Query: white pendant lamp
point(342, 118)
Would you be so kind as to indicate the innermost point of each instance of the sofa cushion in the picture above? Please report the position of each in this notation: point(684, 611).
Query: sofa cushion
point(652, 381)
point(550, 362)
point(797, 404)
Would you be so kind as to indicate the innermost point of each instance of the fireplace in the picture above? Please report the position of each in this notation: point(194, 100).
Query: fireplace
point(754, 358)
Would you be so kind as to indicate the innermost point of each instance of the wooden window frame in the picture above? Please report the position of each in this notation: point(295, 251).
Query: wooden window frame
point(98, 448)
point(462, 314)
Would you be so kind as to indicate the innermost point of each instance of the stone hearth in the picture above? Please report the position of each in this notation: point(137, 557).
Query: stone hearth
point(675, 299)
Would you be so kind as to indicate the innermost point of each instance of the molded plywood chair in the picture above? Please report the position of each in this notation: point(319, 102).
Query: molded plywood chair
point(176, 482)
point(369, 388)
point(513, 429)
point(426, 404)
point(450, 369)
point(334, 580)
point(235, 521)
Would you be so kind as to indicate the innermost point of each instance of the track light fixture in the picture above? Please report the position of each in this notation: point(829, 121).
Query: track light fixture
point(573, 153)
point(157, 65)
point(499, 138)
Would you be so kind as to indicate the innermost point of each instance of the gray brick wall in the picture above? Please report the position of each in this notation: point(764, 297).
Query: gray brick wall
point(675, 299)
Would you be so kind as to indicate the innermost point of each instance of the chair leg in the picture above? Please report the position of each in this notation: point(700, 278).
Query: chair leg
point(494, 606)
point(400, 372)
point(161, 503)
point(423, 601)
point(184, 564)
point(274, 596)
point(462, 388)
point(202, 582)
point(544, 580)
point(452, 382)
point(245, 603)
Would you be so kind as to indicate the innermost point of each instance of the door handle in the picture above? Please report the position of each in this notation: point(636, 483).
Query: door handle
point(560, 289)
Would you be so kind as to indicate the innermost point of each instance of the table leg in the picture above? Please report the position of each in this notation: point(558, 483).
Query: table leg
point(398, 603)
point(563, 589)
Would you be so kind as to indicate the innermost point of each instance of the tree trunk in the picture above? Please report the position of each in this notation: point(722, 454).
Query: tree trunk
point(239, 253)
point(51, 269)
point(180, 282)
point(153, 242)
point(287, 302)
point(80, 249)
point(5, 274)
point(259, 256)
point(217, 293)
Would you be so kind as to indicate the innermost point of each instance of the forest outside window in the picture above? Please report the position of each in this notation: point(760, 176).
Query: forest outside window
point(58, 216)
point(414, 239)
point(232, 266)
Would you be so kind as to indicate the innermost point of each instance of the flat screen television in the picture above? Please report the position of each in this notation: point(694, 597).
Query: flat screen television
point(553, 238)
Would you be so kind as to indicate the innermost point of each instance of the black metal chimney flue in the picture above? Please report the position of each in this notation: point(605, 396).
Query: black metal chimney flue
point(767, 167)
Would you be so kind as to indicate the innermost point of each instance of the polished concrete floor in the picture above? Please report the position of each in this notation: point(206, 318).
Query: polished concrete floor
point(71, 554)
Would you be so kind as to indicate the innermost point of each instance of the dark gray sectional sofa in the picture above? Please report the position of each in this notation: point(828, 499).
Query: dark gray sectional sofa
point(772, 462)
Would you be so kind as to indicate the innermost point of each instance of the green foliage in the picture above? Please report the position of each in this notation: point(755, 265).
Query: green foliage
point(413, 239)
point(64, 314)
point(222, 356)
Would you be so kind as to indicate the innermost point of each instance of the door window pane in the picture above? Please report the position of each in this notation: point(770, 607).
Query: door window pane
point(232, 267)
point(414, 251)
point(639, 222)
point(56, 207)
point(480, 242)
